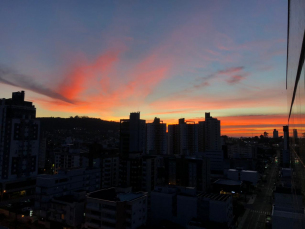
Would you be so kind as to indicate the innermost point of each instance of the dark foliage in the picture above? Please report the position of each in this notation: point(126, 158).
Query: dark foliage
point(85, 123)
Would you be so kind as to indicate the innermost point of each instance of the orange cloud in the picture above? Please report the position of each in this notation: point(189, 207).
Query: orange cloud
point(99, 88)
point(82, 73)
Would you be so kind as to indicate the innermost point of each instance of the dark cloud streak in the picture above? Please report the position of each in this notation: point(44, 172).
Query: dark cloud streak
point(9, 77)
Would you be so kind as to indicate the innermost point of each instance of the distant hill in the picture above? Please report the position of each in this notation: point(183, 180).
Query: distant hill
point(86, 123)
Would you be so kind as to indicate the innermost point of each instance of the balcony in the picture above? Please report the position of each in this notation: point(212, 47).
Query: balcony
point(90, 207)
point(93, 216)
point(105, 219)
point(105, 210)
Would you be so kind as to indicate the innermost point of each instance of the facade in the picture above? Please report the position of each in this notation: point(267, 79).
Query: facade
point(210, 143)
point(116, 208)
point(293, 155)
point(216, 160)
point(243, 175)
point(132, 135)
point(220, 208)
point(130, 172)
point(64, 183)
point(68, 160)
point(285, 157)
point(182, 205)
point(167, 204)
point(149, 173)
point(138, 172)
point(19, 142)
point(110, 165)
point(156, 141)
point(210, 132)
point(132, 147)
point(42, 153)
point(287, 211)
point(189, 172)
point(183, 138)
point(242, 151)
point(67, 211)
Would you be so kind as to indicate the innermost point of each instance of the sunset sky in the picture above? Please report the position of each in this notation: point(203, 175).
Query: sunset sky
point(167, 59)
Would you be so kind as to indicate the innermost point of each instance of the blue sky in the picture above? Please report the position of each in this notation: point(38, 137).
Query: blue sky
point(169, 59)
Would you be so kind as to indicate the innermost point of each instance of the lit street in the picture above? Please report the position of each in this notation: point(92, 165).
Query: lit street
point(261, 204)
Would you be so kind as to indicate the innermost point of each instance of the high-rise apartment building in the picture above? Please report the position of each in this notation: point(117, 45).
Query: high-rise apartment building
point(295, 133)
point(149, 173)
point(188, 172)
point(210, 142)
point(209, 134)
point(19, 141)
point(183, 138)
point(275, 133)
point(132, 147)
point(156, 141)
point(285, 160)
point(132, 135)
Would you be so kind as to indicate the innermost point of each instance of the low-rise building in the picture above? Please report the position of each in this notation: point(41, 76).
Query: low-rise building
point(243, 175)
point(116, 208)
point(68, 211)
point(220, 208)
point(287, 211)
point(182, 205)
point(63, 183)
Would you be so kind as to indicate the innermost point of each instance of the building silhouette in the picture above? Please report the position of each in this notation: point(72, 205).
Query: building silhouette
point(132, 135)
point(156, 141)
point(295, 133)
point(183, 138)
point(132, 147)
point(210, 132)
point(275, 133)
point(19, 144)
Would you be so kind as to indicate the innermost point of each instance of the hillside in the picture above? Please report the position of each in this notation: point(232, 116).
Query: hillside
point(84, 123)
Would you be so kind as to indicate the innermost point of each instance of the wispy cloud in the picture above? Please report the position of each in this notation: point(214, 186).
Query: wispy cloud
point(232, 76)
point(235, 79)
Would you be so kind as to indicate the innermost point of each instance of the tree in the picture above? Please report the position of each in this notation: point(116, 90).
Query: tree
point(265, 135)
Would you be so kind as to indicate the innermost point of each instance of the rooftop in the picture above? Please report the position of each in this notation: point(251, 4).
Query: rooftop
point(287, 190)
point(218, 197)
point(291, 215)
point(67, 199)
point(227, 182)
point(111, 194)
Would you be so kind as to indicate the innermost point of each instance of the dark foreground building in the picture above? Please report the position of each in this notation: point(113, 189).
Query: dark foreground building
point(19, 146)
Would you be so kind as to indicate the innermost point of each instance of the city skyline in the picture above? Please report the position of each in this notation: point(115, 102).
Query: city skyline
point(167, 60)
